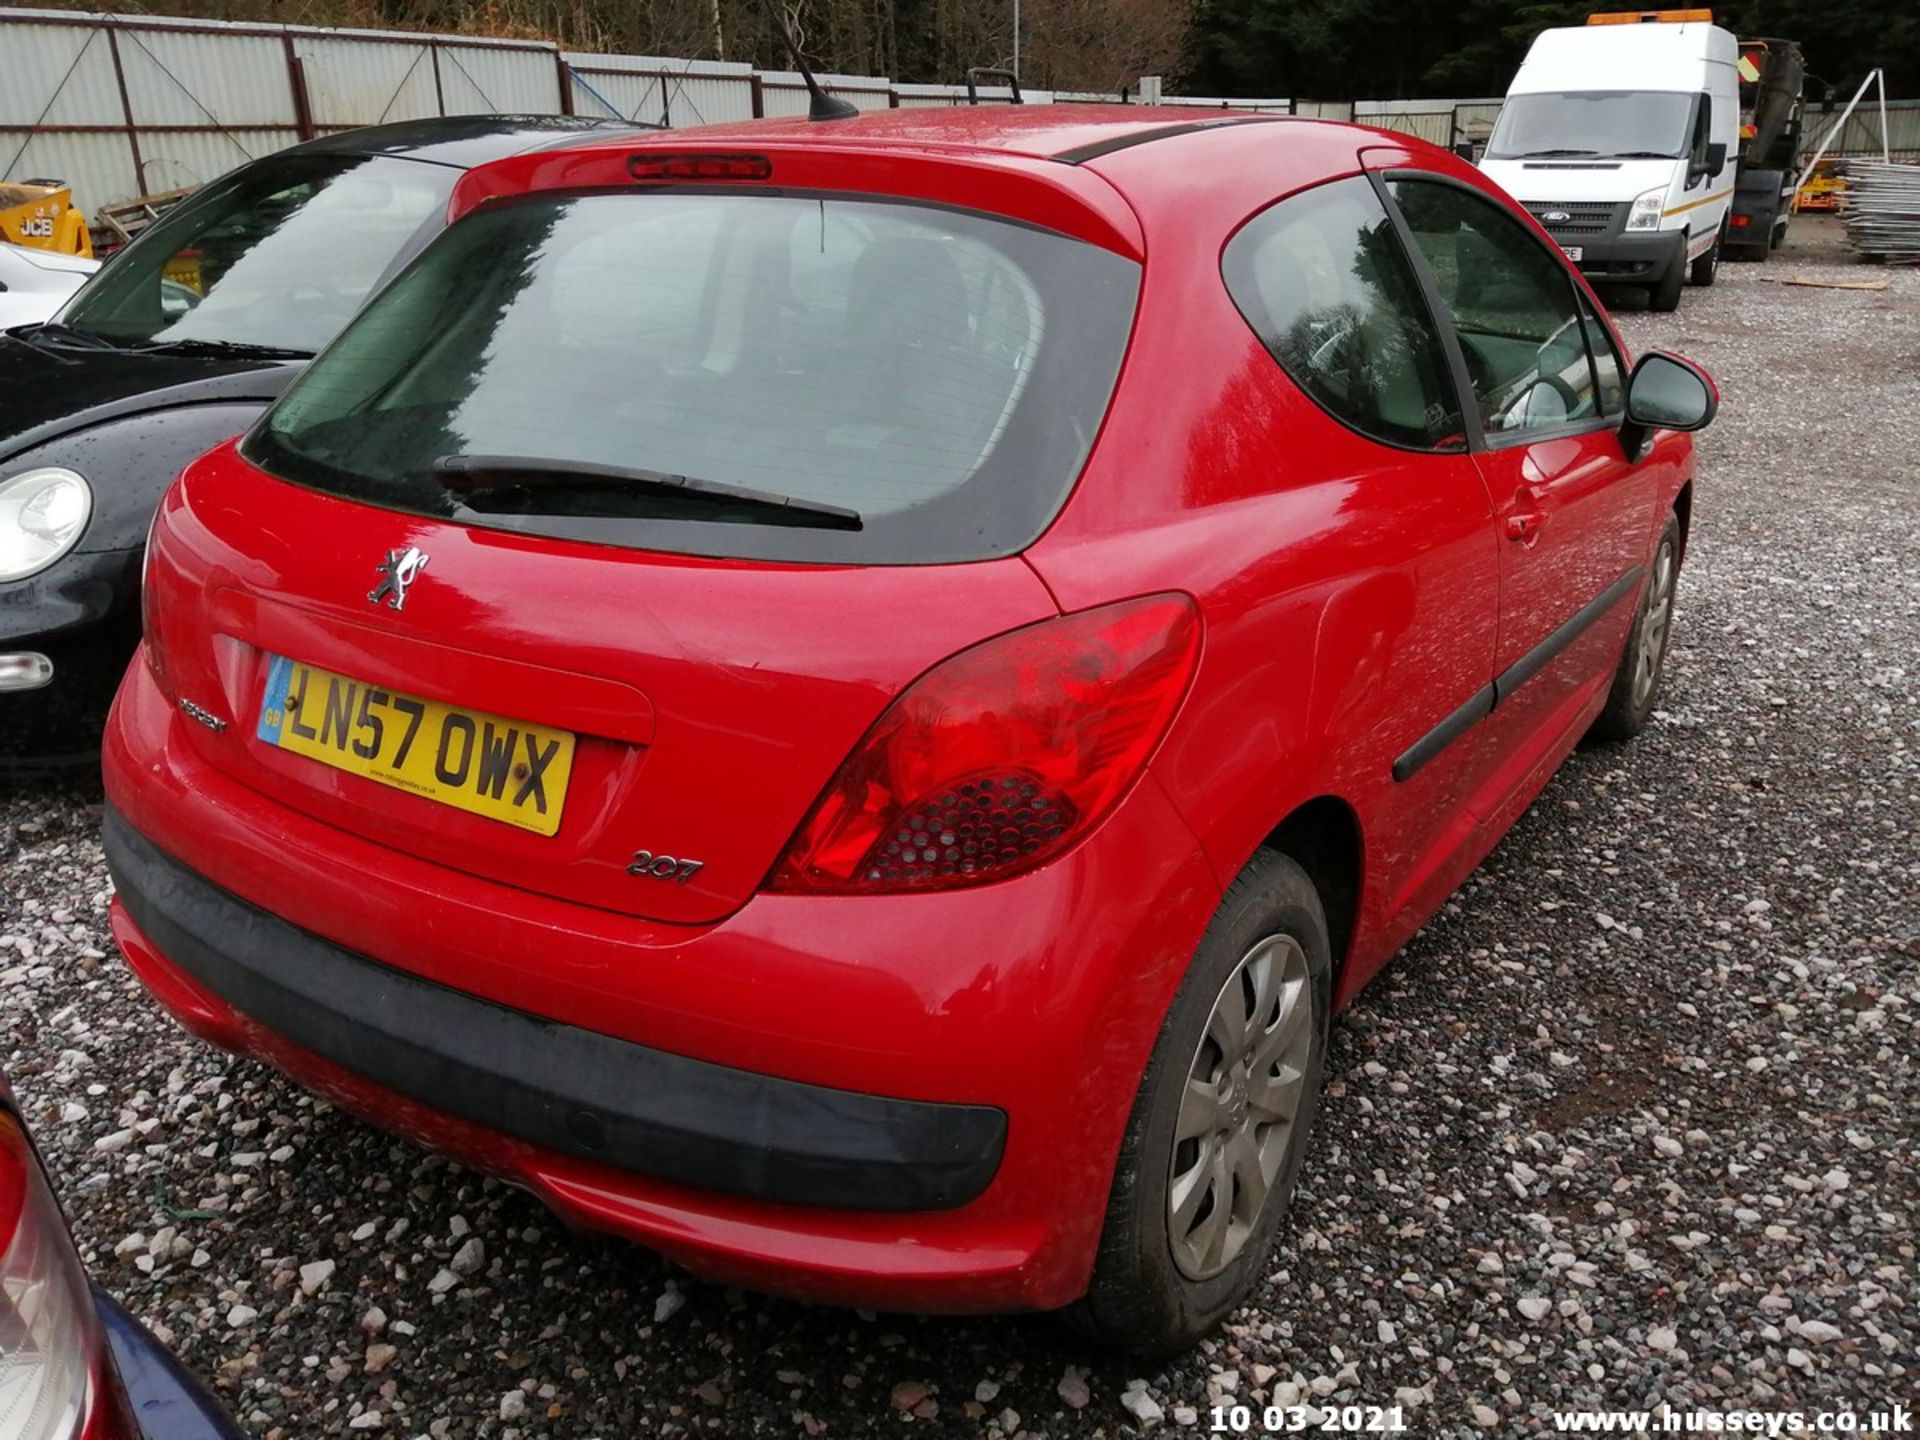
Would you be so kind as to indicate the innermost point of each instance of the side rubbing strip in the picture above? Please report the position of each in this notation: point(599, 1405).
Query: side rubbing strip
point(1443, 734)
point(1531, 663)
point(1511, 679)
point(1082, 153)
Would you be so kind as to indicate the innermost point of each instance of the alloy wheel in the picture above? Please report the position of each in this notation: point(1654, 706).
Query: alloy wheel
point(1239, 1106)
point(1655, 627)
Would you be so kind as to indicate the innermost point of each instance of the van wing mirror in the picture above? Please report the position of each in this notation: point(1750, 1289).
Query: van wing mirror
point(1716, 159)
point(1666, 392)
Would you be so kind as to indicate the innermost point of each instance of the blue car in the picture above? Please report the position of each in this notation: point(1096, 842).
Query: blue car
point(73, 1364)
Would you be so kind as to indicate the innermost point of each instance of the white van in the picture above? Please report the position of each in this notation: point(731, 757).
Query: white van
point(1619, 137)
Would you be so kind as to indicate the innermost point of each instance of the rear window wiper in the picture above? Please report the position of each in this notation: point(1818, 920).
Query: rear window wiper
point(468, 474)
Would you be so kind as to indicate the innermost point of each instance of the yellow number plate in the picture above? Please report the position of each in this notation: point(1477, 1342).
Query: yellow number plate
point(503, 769)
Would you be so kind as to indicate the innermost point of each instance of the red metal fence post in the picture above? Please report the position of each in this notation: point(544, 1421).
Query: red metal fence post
point(297, 87)
point(126, 108)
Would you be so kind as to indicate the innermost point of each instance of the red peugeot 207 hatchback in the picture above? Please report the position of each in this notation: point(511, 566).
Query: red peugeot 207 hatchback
point(846, 700)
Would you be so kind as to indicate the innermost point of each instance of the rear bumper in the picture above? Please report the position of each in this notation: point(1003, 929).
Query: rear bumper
point(1641, 259)
point(563, 1088)
point(1024, 1010)
point(166, 1402)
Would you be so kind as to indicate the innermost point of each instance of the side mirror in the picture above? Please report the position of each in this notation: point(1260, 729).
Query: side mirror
point(1464, 149)
point(1666, 393)
point(1716, 159)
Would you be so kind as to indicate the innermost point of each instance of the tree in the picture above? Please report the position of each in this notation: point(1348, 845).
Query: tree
point(1394, 49)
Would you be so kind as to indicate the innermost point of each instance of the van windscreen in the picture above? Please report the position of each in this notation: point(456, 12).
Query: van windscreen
point(1602, 124)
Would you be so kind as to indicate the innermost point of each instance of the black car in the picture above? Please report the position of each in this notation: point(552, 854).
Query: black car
point(175, 345)
point(74, 1364)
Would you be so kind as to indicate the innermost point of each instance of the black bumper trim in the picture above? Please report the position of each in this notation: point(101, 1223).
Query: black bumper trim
point(1643, 256)
point(565, 1089)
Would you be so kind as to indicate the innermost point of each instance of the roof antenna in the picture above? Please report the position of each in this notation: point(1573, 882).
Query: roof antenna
point(822, 106)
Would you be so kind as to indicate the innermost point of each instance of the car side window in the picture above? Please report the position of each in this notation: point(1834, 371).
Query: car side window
point(1608, 371)
point(1323, 281)
point(1512, 305)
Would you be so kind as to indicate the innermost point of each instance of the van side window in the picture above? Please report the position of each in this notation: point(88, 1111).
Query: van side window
point(1702, 135)
point(1322, 279)
point(1512, 305)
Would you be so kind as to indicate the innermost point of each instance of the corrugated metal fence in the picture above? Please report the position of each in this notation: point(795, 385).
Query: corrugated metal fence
point(1861, 134)
point(123, 105)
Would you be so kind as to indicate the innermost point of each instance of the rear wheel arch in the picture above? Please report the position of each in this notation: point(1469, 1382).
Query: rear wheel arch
point(1323, 837)
point(1683, 512)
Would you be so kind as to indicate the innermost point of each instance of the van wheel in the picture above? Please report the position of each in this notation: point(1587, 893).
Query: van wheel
point(1220, 1123)
point(1707, 266)
point(1636, 683)
point(1665, 295)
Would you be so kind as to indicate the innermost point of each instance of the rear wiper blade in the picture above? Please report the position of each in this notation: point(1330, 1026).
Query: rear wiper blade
point(465, 474)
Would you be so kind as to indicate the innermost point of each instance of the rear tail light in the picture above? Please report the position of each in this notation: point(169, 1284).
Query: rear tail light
point(1740, 222)
point(1001, 757)
point(50, 1342)
point(152, 646)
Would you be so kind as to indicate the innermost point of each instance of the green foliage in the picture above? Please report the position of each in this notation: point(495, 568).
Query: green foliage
point(1402, 49)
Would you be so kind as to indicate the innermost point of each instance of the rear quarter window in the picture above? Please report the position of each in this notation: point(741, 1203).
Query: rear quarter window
point(1323, 281)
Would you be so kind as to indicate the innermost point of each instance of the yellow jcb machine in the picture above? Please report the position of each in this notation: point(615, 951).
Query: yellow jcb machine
point(41, 213)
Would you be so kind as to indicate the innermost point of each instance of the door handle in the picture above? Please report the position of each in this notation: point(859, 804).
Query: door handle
point(1525, 526)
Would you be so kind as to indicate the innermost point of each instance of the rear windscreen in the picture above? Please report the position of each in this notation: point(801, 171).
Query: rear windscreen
point(661, 370)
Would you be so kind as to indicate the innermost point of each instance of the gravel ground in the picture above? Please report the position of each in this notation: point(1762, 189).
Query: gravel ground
point(1632, 1120)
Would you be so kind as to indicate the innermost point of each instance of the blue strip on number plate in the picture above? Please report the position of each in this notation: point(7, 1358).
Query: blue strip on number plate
point(273, 701)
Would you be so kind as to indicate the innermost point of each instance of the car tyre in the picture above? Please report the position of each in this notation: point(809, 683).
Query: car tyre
point(1637, 681)
point(1160, 1281)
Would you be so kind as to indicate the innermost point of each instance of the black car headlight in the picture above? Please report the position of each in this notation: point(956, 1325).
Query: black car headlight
point(43, 513)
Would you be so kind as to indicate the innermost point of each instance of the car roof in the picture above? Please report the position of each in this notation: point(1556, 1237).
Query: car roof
point(1042, 132)
point(468, 140)
point(1133, 167)
point(1154, 156)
